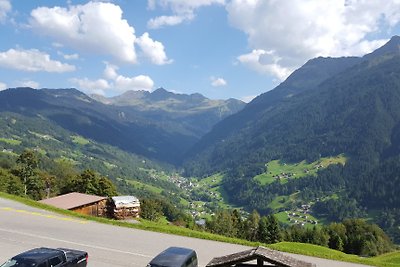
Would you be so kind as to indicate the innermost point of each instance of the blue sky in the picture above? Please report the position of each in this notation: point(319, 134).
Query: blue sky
point(219, 48)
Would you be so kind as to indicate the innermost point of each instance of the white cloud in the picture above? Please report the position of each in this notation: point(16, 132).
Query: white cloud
point(288, 33)
point(5, 8)
point(110, 72)
point(182, 10)
point(141, 82)
point(58, 45)
point(121, 83)
point(162, 21)
point(68, 56)
point(94, 27)
point(153, 50)
point(31, 84)
point(217, 82)
point(248, 99)
point(98, 86)
point(113, 83)
point(71, 56)
point(264, 62)
point(151, 4)
point(3, 86)
point(32, 60)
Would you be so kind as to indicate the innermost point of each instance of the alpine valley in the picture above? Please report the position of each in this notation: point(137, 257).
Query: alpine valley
point(325, 142)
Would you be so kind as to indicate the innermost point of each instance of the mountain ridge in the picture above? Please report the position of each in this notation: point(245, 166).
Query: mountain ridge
point(155, 134)
point(161, 99)
point(352, 112)
point(321, 70)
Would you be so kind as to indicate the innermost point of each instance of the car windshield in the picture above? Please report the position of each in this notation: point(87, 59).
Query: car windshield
point(18, 263)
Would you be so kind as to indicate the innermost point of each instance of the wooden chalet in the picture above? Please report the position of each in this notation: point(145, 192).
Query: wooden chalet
point(258, 256)
point(81, 203)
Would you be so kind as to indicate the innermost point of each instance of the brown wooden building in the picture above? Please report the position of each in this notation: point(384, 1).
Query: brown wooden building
point(81, 203)
point(258, 256)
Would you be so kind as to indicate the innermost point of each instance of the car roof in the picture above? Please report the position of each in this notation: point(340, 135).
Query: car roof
point(173, 256)
point(38, 254)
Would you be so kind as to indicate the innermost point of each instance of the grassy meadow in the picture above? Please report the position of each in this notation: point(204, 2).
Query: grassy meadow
point(283, 172)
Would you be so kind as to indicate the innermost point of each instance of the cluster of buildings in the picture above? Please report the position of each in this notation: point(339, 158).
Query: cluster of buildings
point(118, 207)
point(301, 216)
point(284, 175)
point(182, 182)
point(7, 150)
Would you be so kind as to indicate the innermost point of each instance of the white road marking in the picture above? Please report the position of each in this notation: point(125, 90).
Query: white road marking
point(76, 243)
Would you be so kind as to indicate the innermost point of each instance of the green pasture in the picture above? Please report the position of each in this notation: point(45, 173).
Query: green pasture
point(79, 140)
point(278, 170)
point(12, 142)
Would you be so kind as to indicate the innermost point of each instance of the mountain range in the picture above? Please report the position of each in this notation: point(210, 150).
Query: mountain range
point(311, 111)
point(158, 125)
point(330, 108)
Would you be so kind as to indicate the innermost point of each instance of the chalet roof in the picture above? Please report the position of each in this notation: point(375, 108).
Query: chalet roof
point(72, 200)
point(260, 254)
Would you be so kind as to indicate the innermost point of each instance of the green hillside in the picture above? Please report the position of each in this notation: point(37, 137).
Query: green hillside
point(344, 109)
point(55, 143)
point(161, 131)
point(283, 172)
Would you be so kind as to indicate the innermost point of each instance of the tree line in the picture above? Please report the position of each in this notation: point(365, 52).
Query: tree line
point(24, 177)
point(353, 236)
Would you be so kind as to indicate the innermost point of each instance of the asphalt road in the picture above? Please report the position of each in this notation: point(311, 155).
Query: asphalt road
point(23, 227)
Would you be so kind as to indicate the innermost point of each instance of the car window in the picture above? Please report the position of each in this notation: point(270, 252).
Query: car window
point(192, 262)
point(18, 263)
point(55, 261)
point(189, 262)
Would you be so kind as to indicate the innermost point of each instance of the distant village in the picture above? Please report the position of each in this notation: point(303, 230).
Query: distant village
point(199, 210)
point(301, 216)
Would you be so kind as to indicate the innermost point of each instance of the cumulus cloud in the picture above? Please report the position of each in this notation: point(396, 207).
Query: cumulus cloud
point(98, 86)
point(264, 62)
point(71, 56)
point(114, 83)
point(32, 60)
point(3, 86)
point(141, 82)
point(122, 83)
point(94, 27)
point(5, 8)
point(182, 11)
point(248, 99)
point(217, 82)
point(162, 21)
point(31, 84)
point(153, 50)
point(285, 34)
point(110, 72)
point(68, 56)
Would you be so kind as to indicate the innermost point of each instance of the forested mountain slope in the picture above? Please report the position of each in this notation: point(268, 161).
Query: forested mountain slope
point(353, 111)
point(304, 79)
point(157, 134)
point(331, 114)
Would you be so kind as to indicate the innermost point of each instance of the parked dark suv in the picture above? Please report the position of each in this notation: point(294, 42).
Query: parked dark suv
point(175, 257)
point(49, 257)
